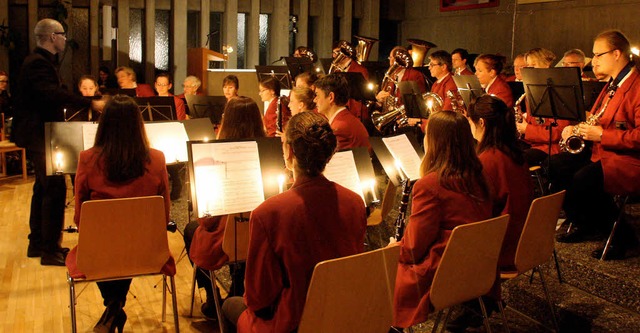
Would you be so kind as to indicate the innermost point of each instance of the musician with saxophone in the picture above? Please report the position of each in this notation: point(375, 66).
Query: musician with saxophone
point(614, 169)
point(277, 114)
point(451, 192)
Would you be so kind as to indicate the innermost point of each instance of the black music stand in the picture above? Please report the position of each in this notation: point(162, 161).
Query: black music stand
point(414, 104)
point(326, 64)
point(386, 158)
point(298, 65)
point(591, 90)
point(365, 173)
point(118, 91)
point(357, 86)
point(210, 107)
point(158, 108)
point(280, 73)
point(64, 146)
point(469, 88)
point(554, 93)
point(199, 129)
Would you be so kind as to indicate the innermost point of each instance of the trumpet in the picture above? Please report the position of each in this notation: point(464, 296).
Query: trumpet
point(574, 143)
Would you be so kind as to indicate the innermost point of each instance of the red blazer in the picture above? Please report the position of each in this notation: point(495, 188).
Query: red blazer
point(349, 131)
point(206, 245)
point(435, 211)
point(441, 90)
point(512, 193)
point(144, 90)
point(411, 74)
point(270, 117)
point(291, 232)
point(537, 135)
point(619, 149)
point(358, 109)
point(91, 182)
point(355, 67)
point(501, 89)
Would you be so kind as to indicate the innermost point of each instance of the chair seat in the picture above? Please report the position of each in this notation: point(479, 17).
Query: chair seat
point(507, 275)
point(375, 218)
point(169, 268)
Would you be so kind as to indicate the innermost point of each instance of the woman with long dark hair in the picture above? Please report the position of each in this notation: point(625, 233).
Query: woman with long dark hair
point(119, 165)
point(451, 192)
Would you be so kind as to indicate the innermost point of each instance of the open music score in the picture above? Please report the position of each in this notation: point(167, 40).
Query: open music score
point(342, 169)
point(227, 177)
point(405, 156)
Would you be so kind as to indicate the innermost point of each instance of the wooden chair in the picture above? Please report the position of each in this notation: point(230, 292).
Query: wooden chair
point(235, 245)
point(7, 146)
point(352, 294)
point(468, 267)
point(537, 241)
point(122, 239)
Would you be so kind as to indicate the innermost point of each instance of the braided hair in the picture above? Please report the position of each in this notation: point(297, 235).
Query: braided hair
point(312, 141)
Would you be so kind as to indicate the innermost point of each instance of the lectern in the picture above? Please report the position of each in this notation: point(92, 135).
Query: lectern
point(198, 63)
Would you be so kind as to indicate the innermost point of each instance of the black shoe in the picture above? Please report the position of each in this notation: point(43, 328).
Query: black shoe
point(464, 319)
point(579, 234)
point(615, 252)
point(55, 258)
point(208, 310)
point(34, 251)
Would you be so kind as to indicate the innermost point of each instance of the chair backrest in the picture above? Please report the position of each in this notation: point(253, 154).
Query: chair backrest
point(469, 264)
point(352, 294)
point(122, 237)
point(235, 242)
point(538, 235)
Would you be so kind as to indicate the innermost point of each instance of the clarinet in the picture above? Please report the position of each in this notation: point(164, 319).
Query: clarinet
point(278, 115)
point(407, 184)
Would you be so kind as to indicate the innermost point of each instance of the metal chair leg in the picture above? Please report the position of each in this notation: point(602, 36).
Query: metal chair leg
point(216, 300)
point(164, 298)
point(437, 321)
point(446, 320)
point(193, 290)
point(485, 316)
point(174, 301)
point(613, 229)
point(72, 302)
point(555, 259)
point(548, 297)
point(504, 317)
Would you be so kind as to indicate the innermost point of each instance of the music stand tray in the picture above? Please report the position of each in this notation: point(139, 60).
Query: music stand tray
point(554, 92)
point(469, 88)
point(280, 73)
point(158, 108)
point(414, 105)
point(210, 107)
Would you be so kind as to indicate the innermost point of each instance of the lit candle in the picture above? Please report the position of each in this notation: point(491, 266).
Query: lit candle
point(399, 167)
point(65, 113)
point(59, 162)
point(372, 185)
point(281, 180)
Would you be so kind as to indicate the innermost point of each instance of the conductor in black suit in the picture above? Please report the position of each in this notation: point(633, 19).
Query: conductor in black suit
point(40, 97)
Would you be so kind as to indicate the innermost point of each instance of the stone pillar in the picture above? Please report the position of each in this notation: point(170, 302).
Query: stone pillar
point(179, 51)
point(302, 37)
point(32, 14)
point(325, 29)
point(345, 21)
point(4, 51)
point(94, 41)
point(370, 24)
point(66, 57)
point(230, 31)
point(252, 43)
point(205, 21)
point(279, 30)
point(123, 33)
point(149, 41)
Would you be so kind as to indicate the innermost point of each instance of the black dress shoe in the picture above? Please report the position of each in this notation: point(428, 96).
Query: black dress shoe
point(615, 252)
point(34, 251)
point(579, 234)
point(52, 258)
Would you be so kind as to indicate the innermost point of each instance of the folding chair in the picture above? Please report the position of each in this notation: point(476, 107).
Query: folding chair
point(122, 239)
point(7, 146)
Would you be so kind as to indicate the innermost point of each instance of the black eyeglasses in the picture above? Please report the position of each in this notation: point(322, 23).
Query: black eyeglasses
point(598, 55)
point(62, 33)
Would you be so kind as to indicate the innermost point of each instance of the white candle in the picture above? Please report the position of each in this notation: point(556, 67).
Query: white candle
point(399, 167)
point(372, 185)
point(58, 161)
point(65, 113)
point(281, 180)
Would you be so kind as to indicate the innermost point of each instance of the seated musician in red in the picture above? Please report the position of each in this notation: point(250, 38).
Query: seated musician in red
point(451, 192)
point(406, 74)
point(614, 168)
point(291, 232)
point(518, 65)
point(163, 86)
point(576, 58)
point(536, 130)
point(440, 68)
point(332, 93)
point(127, 80)
point(301, 100)
point(120, 165)
point(203, 239)
point(488, 69)
point(459, 61)
point(269, 91)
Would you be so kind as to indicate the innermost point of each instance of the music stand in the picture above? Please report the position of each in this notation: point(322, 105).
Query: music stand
point(414, 105)
point(64, 146)
point(158, 108)
point(354, 172)
point(199, 129)
point(117, 91)
point(280, 73)
point(298, 65)
point(210, 107)
point(387, 159)
point(469, 88)
point(591, 90)
point(357, 86)
point(554, 93)
point(326, 64)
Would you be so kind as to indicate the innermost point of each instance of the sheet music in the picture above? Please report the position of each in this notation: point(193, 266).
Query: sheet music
point(403, 152)
point(170, 138)
point(342, 170)
point(228, 178)
point(89, 135)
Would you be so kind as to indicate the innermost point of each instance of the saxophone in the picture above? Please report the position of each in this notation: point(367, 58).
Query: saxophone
point(400, 224)
point(575, 144)
point(518, 110)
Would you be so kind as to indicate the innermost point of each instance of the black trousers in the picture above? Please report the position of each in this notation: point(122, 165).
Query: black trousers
point(114, 291)
point(563, 166)
point(47, 206)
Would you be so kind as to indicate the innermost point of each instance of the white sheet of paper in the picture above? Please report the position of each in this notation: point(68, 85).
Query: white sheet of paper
point(170, 138)
point(228, 178)
point(342, 170)
point(89, 135)
point(402, 151)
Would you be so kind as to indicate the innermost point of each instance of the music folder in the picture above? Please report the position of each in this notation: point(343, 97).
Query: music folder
point(353, 169)
point(234, 176)
point(469, 88)
point(400, 156)
point(554, 92)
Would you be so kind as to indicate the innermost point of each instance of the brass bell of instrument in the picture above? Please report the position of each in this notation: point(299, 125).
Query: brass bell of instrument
point(344, 58)
point(419, 50)
point(364, 48)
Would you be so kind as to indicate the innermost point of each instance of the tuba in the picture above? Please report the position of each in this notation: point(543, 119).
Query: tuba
point(419, 50)
point(344, 58)
point(402, 60)
point(363, 48)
